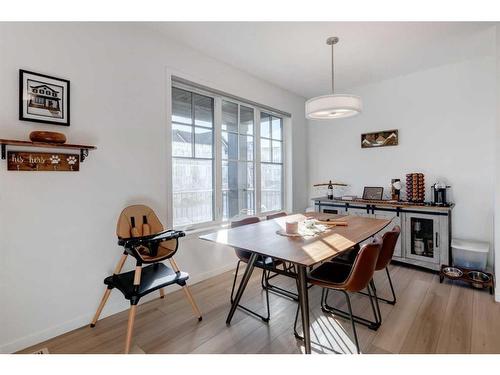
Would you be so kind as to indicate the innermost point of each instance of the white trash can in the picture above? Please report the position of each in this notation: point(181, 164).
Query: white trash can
point(470, 254)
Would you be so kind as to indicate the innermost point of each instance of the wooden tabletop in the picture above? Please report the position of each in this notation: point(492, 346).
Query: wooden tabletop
point(262, 238)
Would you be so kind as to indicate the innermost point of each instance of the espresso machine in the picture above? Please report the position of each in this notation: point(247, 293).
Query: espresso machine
point(439, 194)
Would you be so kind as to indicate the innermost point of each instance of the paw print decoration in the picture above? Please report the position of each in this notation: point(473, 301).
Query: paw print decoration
point(71, 161)
point(55, 160)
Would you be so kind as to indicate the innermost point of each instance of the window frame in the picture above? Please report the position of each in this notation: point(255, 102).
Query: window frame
point(217, 155)
point(193, 156)
point(271, 139)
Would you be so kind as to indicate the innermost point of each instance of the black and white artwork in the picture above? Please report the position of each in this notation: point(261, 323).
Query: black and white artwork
point(43, 98)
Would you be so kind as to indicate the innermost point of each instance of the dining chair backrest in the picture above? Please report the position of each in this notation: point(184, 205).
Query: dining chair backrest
point(389, 240)
point(363, 267)
point(276, 215)
point(243, 255)
point(245, 221)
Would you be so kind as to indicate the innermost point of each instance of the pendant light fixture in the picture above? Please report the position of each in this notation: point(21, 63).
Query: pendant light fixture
point(333, 106)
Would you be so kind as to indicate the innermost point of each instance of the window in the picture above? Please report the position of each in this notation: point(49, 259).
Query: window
point(192, 158)
point(271, 162)
point(225, 163)
point(238, 193)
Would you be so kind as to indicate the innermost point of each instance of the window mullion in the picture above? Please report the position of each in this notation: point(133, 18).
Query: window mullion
point(256, 142)
point(218, 157)
point(193, 153)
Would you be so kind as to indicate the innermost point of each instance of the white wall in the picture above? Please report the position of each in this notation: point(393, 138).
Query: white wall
point(57, 239)
point(446, 121)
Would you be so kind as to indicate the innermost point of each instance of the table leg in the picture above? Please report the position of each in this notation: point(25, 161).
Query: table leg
point(304, 306)
point(244, 281)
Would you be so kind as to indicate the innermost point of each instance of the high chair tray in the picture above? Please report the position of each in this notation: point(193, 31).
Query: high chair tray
point(153, 277)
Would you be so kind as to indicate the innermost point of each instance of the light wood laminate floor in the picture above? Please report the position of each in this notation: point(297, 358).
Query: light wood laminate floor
point(429, 317)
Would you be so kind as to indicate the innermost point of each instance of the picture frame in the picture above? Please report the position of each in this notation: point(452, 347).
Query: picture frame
point(381, 138)
point(373, 193)
point(44, 99)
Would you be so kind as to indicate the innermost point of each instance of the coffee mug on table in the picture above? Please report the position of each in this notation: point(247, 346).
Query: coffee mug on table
point(292, 227)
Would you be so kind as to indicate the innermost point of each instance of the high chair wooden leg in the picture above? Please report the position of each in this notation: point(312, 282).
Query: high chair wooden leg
point(130, 327)
point(105, 297)
point(120, 264)
point(133, 306)
point(162, 293)
point(187, 291)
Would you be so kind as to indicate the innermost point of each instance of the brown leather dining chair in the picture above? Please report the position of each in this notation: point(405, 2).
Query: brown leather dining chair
point(389, 241)
point(143, 237)
point(347, 278)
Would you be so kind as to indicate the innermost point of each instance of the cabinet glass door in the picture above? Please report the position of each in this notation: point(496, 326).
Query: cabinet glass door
point(422, 243)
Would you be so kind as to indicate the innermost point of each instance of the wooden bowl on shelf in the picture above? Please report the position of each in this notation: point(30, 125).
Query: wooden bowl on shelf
point(47, 137)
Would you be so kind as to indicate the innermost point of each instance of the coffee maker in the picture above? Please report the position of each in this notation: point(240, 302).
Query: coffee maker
point(439, 194)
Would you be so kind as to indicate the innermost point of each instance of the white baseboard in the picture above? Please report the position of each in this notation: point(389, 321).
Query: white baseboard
point(497, 297)
point(84, 320)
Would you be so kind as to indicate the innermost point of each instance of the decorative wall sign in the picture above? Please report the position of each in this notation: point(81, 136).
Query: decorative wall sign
point(42, 161)
point(380, 139)
point(43, 98)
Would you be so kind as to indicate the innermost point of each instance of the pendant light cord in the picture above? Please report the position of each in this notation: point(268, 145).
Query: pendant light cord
point(333, 74)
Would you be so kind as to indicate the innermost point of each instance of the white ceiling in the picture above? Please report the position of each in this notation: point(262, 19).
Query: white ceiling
point(294, 55)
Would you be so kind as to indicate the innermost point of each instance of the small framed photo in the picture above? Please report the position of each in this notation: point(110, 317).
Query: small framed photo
point(43, 98)
point(373, 193)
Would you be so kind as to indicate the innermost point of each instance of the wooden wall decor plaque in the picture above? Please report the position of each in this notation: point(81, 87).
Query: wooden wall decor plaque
point(42, 161)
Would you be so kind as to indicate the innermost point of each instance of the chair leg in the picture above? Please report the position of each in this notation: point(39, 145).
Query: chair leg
point(375, 306)
point(348, 299)
point(107, 292)
point(373, 325)
point(162, 293)
point(104, 299)
point(376, 302)
point(130, 327)
point(393, 302)
point(390, 302)
point(276, 289)
point(267, 300)
point(187, 292)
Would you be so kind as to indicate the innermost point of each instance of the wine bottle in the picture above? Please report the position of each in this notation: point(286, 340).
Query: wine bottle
point(330, 190)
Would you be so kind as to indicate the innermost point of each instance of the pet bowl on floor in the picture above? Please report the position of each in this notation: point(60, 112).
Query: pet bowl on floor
point(478, 276)
point(453, 272)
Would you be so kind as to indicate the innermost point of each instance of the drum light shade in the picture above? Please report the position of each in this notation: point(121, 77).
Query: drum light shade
point(333, 106)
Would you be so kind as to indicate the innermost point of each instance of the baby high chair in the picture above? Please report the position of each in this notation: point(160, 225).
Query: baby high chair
point(142, 236)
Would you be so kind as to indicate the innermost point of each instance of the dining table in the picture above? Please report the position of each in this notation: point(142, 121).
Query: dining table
point(268, 238)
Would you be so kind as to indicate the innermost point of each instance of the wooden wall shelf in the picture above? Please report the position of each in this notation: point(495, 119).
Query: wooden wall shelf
point(84, 149)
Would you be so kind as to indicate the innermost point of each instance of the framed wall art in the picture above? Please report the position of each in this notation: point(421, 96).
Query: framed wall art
point(373, 193)
point(380, 139)
point(43, 98)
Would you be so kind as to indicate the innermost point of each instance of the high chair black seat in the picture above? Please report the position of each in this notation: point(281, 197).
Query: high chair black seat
point(153, 277)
